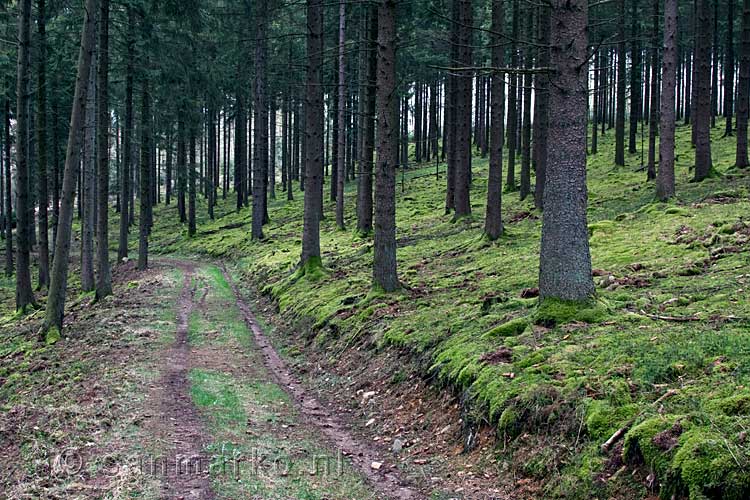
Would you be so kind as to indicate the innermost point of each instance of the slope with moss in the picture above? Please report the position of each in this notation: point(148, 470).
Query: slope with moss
point(672, 316)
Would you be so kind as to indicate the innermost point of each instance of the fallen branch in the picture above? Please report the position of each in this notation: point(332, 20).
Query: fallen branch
point(619, 433)
point(679, 319)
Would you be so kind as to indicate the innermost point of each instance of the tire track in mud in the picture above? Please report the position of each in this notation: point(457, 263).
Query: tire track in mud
point(185, 468)
point(387, 483)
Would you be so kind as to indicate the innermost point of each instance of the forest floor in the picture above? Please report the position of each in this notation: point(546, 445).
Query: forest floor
point(456, 387)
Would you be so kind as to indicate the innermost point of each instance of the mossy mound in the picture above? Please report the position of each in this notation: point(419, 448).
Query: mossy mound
point(552, 312)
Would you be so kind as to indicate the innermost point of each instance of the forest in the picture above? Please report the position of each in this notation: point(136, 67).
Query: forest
point(439, 249)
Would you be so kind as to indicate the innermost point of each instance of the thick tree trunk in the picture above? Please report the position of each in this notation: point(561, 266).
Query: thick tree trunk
point(89, 182)
point(24, 292)
point(384, 262)
point(364, 193)
point(41, 134)
point(340, 160)
point(272, 149)
point(665, 175)
point(743, 96)
point(493, 222)
point(59, 274)
point(702, 118)
point(313, 138)
point(565, 260)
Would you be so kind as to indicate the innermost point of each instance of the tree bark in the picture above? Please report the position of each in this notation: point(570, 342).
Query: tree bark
point(8, 190)
point(59, 275)
point(384, 263)
point(510, 182)
point(702, 118)
point(144, 220)
point(541, 115)
point(493, 222)
point(743, 96)
point(565, 259)
point(24, 292)
point(621, 103)
point(729, 70)
point(665, 177)
point(653, 121)
point(314, 138)
point(364, 193)
point(635, 79)
point(462, 172)
point(260, 133)
point(340, 160)
point(127, 133)
point(41, 134)
point(88, 282)
point(525, 187)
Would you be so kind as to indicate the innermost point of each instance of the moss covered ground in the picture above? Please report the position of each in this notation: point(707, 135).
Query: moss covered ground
point(672, 314)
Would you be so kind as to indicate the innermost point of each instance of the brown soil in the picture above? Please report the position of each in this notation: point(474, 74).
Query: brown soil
point(178, 423)
point(385, 479)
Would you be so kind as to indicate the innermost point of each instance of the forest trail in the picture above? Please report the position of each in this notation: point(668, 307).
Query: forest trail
point(236, 423)
point(178, 423)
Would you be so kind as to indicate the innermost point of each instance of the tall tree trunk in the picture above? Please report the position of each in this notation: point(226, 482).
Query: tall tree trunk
point(620, 119)
point(24, 292)
point(191, 179)
point(510, 182)
point(665, 175)
point(314, 138)
point(240, 150)
point(702, 118)
point(89, 182)
point(384, 262)
point(182, 165)
point(493, 222)
point(340, 164)
point(144, 222)
point(463, 112)
point(526, 119)
point(127, 134)
point(743, 96)
point(8, 190)
point(59, 275)
point(541, 115)
point(364, 193)
point(272, 149)
point(729, 70)
point(715, 67)
point(41, 134)
point(635, 79)
point(653, 121)
point(260, 134)
point(565, 259)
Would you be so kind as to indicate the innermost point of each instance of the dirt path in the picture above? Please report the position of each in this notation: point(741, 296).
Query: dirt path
point(366, 459)
point(178, 424)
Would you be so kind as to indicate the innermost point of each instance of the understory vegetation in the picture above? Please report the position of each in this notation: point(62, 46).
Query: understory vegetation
point(663, 355)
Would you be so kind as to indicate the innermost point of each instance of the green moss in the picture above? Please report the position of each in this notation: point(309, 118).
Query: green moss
point(678, 211)
point(553, 311)
point(509, 329)
point(604, 418)
point(736, 405)
point(52, 336)
point(604, 226)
